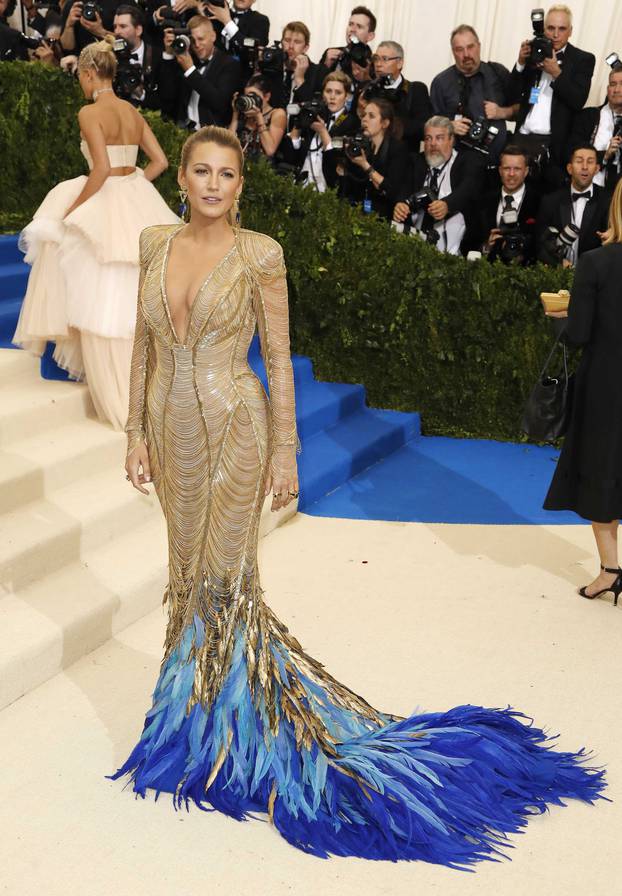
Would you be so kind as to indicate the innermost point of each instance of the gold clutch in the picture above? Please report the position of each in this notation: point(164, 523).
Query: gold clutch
point(555, 301)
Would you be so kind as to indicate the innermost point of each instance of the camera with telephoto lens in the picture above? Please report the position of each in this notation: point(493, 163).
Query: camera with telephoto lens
point(380, 88)
point(541, 46)
point(272, 60)
point(514, 242)
point(354, 145)
point(356, 51)
point(129, 76)
point(90, 11)
point(305, 114)
point(248, 101)
point(558, 242)
point(481, 135)
point(181, 41)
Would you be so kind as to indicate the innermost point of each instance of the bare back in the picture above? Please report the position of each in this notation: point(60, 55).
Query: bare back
point(114, 122)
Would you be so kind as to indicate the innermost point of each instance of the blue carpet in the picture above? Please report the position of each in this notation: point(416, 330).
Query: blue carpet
point(440, 480)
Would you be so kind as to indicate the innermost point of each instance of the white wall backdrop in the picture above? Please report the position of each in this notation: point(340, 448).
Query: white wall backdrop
point(424, 26)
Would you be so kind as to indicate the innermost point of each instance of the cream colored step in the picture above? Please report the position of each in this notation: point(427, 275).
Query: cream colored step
point(14, 363)
point(32, 468)
point(50, 624)
point(41, 537)
point(35, 405)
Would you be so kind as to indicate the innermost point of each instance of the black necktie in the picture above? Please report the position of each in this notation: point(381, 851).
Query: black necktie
point(508, 203)
point(576, 196)
point(434, 173)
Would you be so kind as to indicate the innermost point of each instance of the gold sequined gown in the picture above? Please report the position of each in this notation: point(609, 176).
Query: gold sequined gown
point(242, 719)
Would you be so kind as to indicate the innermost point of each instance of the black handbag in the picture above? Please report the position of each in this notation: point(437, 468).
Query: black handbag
point(547, 412)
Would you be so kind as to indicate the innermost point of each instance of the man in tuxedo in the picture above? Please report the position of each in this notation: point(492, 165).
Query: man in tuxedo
point(583, 203)
point(128, 25)
point(236, 24)
point(512, 209)
point(550, 94)
point(412, 101)
point(453, 182)
point(196, 88)
point(11, 44)
point(601, 126)
point(302, 78)
point(471, 89)
point(78, 32)
point(361, 29)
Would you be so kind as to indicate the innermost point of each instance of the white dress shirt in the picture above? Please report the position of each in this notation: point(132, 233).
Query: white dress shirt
point(313, 161)
point(451, 229)
point(577, 210)
point(193, 102)
point(602, 139)
point(538, 120)
point(517, 201)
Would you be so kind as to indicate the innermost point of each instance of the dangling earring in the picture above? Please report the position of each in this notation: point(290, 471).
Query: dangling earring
point(183, 203)
point(236, 213)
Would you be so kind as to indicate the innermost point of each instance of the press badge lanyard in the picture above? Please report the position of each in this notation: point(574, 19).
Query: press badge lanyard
point(536, 90)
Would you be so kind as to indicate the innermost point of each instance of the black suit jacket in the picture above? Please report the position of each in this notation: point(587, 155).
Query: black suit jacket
point(11, 47)
point(413, 108)
point(556, 211)
point(215, 87)
point(250, 24)
point(311, 85)
point(584, 131)
point(392, 161)
point(570, 92)
point(348, 123)
point(485, 219)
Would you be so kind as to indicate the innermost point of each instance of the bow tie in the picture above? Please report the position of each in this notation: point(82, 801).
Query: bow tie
point(576, 196)
point(134, 56)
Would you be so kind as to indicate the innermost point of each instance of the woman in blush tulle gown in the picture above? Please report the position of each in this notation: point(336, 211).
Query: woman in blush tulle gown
point(83, 244)
point(242, 719)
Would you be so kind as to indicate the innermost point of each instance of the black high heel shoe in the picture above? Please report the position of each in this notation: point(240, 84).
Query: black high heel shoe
point(615, 587)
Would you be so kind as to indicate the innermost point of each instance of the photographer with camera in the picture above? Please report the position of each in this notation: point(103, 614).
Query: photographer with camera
point(504, 224)
point(138, 63)
point(197, 80)
point(309, 146)
point(160, 12)
point(411, 98)
point(12, 45)
point(240, 31)
point(43, 21)
point(601, 126)
point(260, 128)
point(301, 79)
point(474, 92)
point(376, 164)
point(552, 81)
point(86, 21)
point(445, 185)
point(572, 220)
point(360, 32)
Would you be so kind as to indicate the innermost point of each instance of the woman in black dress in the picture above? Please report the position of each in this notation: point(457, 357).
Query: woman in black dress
point(588, 478)
point(375, 180)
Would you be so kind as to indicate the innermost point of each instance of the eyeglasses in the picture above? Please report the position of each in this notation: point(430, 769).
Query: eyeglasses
point(384, 58)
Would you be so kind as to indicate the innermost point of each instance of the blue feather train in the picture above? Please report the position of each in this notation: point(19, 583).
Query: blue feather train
point(441, 787)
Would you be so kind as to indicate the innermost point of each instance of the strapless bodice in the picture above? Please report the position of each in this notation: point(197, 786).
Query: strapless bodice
point(121, 156)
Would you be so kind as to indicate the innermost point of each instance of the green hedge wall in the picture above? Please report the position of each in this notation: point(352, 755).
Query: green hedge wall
point(460, 342)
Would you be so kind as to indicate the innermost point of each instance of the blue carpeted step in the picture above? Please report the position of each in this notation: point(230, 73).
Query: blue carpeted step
point(13, 280)
point(9, 312)
point(9, 253)
point(331, 457)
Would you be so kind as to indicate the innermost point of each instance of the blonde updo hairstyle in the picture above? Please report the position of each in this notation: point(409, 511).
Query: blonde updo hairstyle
point(101, 57)
point(219, 136)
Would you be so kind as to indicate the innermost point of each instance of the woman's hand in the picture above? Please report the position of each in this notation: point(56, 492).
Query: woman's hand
point(137, 467)
point(282, 479)
point(360, 160)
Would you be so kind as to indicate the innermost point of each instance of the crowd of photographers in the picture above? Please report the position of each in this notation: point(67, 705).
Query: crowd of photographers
point(441, 164)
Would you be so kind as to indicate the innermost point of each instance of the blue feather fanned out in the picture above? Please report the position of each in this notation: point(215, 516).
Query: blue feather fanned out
point(441, 787)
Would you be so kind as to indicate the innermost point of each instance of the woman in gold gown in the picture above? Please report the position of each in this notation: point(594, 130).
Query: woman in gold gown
point(242, 719)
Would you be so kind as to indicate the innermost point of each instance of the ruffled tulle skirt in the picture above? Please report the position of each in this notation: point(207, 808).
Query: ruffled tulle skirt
point(83, 284)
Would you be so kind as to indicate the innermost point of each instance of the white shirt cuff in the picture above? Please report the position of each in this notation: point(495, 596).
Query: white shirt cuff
point(230, 30)
point(189, 71)
point(520, 68)
point(168, 56)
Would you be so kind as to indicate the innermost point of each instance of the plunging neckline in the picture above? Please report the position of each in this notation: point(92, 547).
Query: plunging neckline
point(205, 282)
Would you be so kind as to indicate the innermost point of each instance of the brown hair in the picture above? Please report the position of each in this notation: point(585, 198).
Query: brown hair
point(343, 79)
point(614, 229)
point(99, 56)
point(387, 112)
point(212, 134)
point(364, 11)
point(464, 29)
point(298, 28)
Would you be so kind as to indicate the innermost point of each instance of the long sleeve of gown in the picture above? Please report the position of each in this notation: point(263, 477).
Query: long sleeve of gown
point(271, 311)
point(135, 427)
